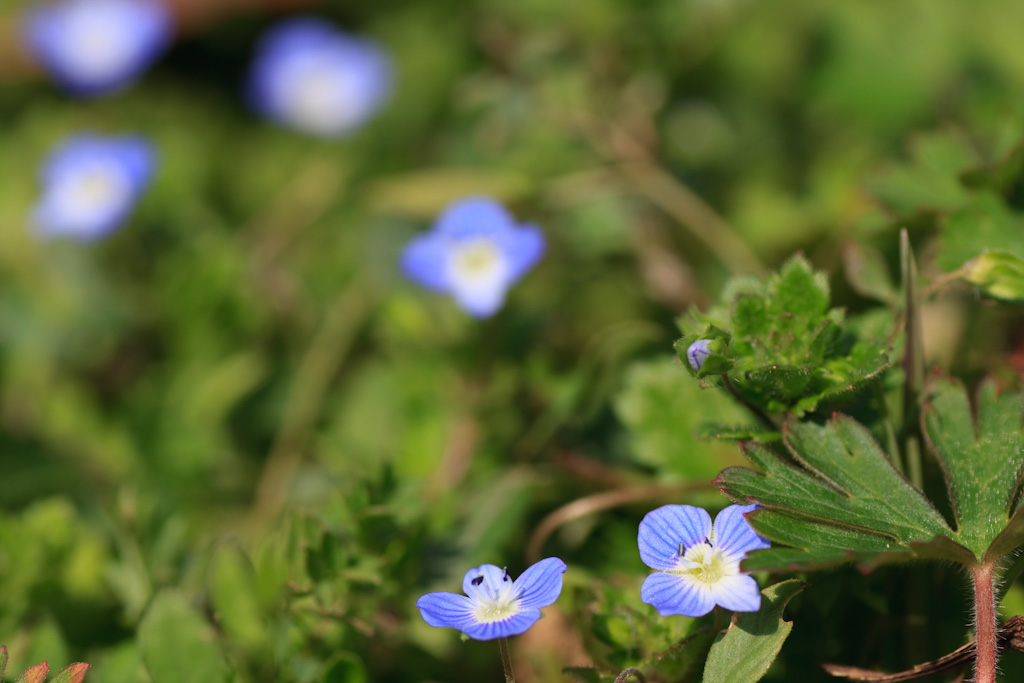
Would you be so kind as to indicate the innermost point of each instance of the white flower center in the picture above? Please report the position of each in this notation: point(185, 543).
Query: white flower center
point(95, 189)
point(706, 564)
point(477, 262)
point(320, 100)
point(495, 602)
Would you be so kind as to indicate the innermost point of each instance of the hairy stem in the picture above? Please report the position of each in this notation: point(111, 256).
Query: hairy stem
point(985, 624)
point(506, 660)
point(758, 413)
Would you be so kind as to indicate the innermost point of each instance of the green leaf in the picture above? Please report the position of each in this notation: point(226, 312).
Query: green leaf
point(812, 544)
point(234, 594)
point(781, 346)
point(177, 644)
point(747, 649)
point(997, 274)
point(72, 673)
point(841, 479)
point(982, 460)
point(663, 408)
point(868, 273)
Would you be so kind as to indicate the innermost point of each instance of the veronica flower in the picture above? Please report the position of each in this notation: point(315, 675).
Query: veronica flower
point(96, 46)
point(697, 352)
point(90, 184)
point(474, 252)
point(697, 562)
point(495, 606)
point(312, 77)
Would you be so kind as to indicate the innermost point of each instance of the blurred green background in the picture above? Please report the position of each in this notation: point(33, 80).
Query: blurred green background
point(236, 444)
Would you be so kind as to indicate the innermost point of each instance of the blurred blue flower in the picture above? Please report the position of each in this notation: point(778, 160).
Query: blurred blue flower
point(90, 184)
point(697, 563)
point(92, 47)
point(310, 76)
point(474, 252)
point(497, 606)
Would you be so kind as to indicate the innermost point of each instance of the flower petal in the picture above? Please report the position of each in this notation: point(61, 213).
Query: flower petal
point(541, 584)
point(425, 261)
point(676, 594)
point(734, 536)
point(663, 529)
point(738, 593)
point(481, 299)
point(447, 610)
point(512, 626)
point(482, 583)
point(473, 217)
point(522, 247)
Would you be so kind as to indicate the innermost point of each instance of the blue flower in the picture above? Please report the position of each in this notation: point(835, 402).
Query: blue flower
point(93, 47)
point(312, 77)
point(474, 252)
point(497, 606)
point(697, 352)
point(90, 184)
point(697, 563)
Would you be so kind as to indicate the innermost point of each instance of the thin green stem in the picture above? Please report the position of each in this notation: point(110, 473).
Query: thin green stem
point(506, 660)
point(758, 413)
point(985, 630)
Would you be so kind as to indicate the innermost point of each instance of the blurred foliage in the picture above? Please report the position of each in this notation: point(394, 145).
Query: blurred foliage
point(233, 435)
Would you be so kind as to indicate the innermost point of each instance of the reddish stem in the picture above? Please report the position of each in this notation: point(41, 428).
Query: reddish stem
point(985, 624)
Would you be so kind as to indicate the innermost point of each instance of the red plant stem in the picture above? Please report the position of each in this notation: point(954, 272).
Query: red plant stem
point(984, 624)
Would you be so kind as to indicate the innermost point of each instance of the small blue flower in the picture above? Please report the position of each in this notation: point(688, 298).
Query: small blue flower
point(497, 606)
point(697, 563)
point(474, 252)
point(697, 352)
point(92, 47)
point(90, 184)
point(310, 76)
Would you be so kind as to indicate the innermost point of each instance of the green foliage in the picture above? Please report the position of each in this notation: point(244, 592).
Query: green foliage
point(235, 443)
point(980, 456)
point(787, 350)
point(745, 651)
point(176, 641)
point(842, 479)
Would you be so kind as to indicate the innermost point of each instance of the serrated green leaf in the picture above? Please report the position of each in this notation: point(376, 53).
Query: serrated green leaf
point(714, 430)
point(747, 649)
point(72, 673)
point(781, 347)
point(983, 459)
point(177, 644)
point(844, 480)
point(813, 544)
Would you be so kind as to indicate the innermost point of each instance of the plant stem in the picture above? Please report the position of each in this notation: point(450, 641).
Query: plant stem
point(506, 660)
point(758, 413)
point(985, 631)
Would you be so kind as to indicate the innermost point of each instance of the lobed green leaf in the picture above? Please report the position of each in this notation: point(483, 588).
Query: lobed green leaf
point(982, 459)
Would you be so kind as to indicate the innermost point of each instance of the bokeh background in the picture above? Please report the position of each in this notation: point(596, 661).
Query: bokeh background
point(236, 443)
